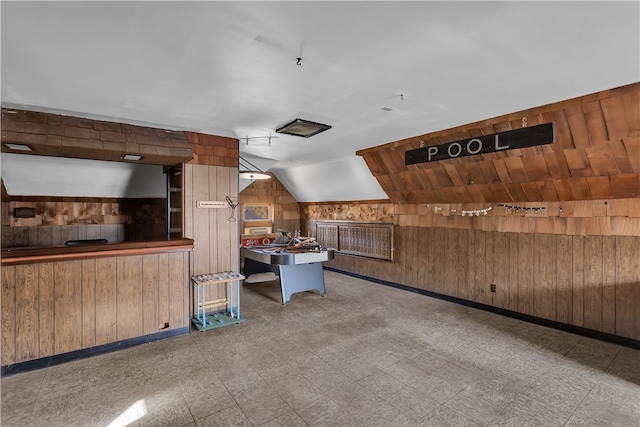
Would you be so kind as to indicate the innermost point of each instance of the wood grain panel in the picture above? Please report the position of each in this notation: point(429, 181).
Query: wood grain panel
point(479, 269)
point(440, 258)
point(578, 280)
point(88, 303)
point(592, 133)
point(457, 249)
point(593, 278)
point(544, 286)
point(150, 298)
point(106, 301)
point(628, 287)
point(501, 265)
point(564, 294)
point(46, 299)
point(8, 315)
point(129, 296)
point(164, 316)
point(199, 187)
point(609, 284)
point(177, 289)
point(525, 273)
point(67, 306)
point(27, 315)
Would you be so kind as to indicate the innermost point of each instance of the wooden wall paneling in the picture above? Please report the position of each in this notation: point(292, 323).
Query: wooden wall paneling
point(93, 231)
point(129, 296)
point(431, 269)
point(544, 284)
point(609, 284)
point(564, 295)
point(200, 189)
point(578, 280)
point(449, 274)
point(421, 256)
point(150, 295)
point(33, 235)
point(164, 316)
point(501, 261)
point(478, 274)
point(487, 257)
point(68, 232)
point(596, 125)
point(46, 306)
point(235, 227)
point(613, 109)
point(627, 287)
point(176, 291)
point(88, 303)
point(632, 146)
point(525, 273)
point(106, 301)
point(440, 258)
point(27, 319)
point(225, 237)
point(412, 251)
point(578, 125)
point(67, 306)
point(214, 244)
point(188, 203)
point(55, 235)
point(593, 278)
point(20, 236)
point(187, 297)
point(8, 315)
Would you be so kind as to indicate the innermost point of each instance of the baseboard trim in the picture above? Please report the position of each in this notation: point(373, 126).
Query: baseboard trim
point(590, 333)
point(58, 359)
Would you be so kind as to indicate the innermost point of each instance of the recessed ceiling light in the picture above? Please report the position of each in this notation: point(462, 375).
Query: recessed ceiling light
point(17, 147)
point(301, 127)
point(134, 157)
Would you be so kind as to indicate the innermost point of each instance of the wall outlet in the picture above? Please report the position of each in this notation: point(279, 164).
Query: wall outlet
point(493, 287)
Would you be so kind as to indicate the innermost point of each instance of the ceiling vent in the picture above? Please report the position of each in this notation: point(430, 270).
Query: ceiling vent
point(301, 127)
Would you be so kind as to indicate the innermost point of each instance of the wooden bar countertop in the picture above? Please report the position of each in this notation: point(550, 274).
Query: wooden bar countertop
point(30, 255)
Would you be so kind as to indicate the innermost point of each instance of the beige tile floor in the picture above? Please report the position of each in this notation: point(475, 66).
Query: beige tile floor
point(364, 355)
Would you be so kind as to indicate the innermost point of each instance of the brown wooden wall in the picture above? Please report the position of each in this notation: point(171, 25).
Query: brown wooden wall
point(615, 217)
point(56, 307)
point(59, 219)
point(77, 137)
point(212, 175)
point(596, 156)
point(587, 281)
point(286, 210)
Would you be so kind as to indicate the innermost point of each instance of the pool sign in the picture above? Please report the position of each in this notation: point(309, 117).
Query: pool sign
point(509, 140)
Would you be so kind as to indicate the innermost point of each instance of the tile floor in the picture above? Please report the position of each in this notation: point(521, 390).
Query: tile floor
point(364, 355)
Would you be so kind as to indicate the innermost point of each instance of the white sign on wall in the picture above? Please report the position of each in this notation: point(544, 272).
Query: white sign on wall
point(210, 204)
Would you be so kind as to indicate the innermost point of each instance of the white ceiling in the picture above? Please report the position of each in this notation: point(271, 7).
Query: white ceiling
point(229, 68)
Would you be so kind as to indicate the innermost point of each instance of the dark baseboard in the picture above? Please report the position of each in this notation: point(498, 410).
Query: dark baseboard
point(603, 336)
point(44, 362)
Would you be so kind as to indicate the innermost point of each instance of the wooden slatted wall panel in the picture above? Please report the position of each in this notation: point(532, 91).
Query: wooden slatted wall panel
point(54, 308)
point(586, 281)
point(210, 229)
point(595, 156)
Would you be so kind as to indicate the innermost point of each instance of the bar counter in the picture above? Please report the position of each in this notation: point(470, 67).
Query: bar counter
point(60, 303)
point(28, 255)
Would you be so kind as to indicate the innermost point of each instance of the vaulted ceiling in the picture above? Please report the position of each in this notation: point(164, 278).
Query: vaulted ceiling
point(377, 72)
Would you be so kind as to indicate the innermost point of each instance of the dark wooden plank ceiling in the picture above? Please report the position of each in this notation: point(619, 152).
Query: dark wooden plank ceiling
point(596, 155)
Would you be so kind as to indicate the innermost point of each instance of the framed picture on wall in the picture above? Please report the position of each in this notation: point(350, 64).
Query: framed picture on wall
point(256, 213)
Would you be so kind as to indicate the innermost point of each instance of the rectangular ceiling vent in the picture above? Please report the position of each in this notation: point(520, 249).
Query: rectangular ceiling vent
point(301, 127)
